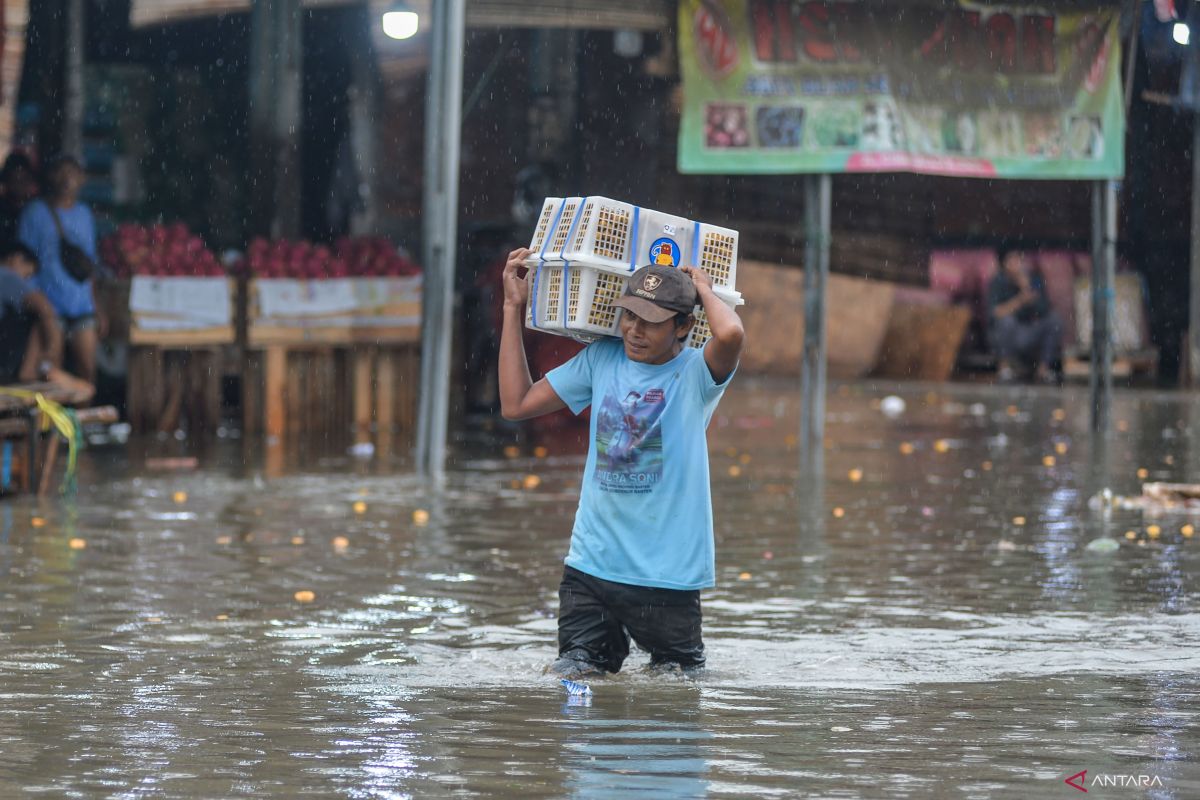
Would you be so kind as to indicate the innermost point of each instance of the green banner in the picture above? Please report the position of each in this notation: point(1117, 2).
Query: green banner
point(973, 89)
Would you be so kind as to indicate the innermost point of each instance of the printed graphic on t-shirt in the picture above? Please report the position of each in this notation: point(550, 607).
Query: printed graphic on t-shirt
point(629, 447)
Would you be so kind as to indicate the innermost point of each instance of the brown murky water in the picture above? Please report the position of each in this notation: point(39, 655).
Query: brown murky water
point(932, 626)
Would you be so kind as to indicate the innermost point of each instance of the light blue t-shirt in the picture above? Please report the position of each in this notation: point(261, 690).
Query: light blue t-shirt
point(645, 510)
point(37, 231)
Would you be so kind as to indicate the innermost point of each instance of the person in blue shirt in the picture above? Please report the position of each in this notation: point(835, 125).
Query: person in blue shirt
point(642, 543)
point(30, 341)
point(73, 300)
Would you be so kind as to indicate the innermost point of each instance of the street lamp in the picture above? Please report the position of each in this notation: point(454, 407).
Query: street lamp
point(400, 22)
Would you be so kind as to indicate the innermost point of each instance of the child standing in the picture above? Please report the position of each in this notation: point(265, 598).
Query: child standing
point(642, 544)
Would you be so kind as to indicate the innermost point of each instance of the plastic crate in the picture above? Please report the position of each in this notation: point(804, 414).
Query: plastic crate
point(544, 311)
point(577, 301)
point(619, 237)
point(701, 333)
point(716, 253)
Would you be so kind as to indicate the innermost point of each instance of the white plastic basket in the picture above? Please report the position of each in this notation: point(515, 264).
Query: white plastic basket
point(715, 252)
point(590, 296)
point(577, 301)
point(546, 305)
point(701, 332)
point(619, 237)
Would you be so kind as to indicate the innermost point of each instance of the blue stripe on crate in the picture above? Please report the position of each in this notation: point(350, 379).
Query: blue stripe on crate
point(695, 244)
point(562, 301)
point(633, 242)
point(533, 294)
point(575, 224)
point(553, 227)
point(6, 468)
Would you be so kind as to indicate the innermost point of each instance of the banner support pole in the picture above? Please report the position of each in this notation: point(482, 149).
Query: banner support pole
point(818, 192)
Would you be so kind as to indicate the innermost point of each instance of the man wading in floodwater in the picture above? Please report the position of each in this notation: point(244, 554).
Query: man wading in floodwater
point(642, 546)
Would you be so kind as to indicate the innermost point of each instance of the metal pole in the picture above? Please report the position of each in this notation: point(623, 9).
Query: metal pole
point(818, 190)
point(1104, 256)
point(1193, 348)
point(72, 135)
point(443, 122)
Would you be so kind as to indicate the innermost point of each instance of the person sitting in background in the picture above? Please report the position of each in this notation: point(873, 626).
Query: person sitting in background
point(18, 186)
point(1024, 327)
point(25, 357)
point(45, 223)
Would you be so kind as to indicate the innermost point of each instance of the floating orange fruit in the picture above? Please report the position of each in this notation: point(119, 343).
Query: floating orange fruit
point(38, 522)
point(420, 517)
point(340, 543)
point(1143, 473)
point(297, 540)
point(906, 448)
point(1018, 521)
point(1187, 530)
point(839, 512)
point(986, 466)
point(359, 507)
point(305, 596)
point(855, 475)
point(224, 540)
point(1131, 535)
point(1153, 531)
point(531, 482)
point(180, 497)
point(942, 446)
point(1048, 461)
point(1059, 415)
point(222, 617)
point(540, 452)
point(1061, 448)
point(512, 451)
point(77, 544)
point(744, 576)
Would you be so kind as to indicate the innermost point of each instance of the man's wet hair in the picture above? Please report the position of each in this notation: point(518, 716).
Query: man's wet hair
point(16, 162)
point(681, 318)
point(10, 249)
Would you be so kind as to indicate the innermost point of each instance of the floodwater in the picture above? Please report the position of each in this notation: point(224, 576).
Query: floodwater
point(930, 623)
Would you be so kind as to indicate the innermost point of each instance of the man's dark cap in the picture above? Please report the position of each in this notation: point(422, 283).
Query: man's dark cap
point(656, 293)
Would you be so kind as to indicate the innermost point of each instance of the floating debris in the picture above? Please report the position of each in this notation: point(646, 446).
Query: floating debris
point(575, 688)
point(892, 406)
point(1159, 498)
point(1104, 544)
point(362, 450)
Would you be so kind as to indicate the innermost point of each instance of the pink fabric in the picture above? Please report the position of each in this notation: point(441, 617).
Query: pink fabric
point(958, 272)
point(1058, 271)
point(916, 296)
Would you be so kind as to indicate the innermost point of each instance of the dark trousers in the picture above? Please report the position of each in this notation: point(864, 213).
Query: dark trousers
point(1038, 340)
point(597, 618)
